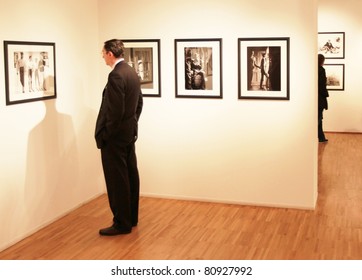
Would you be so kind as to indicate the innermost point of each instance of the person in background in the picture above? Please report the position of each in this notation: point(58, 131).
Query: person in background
point(116, 134)
point(322, 97)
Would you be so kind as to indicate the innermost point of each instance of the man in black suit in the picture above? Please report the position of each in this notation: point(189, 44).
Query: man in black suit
point(116, 134)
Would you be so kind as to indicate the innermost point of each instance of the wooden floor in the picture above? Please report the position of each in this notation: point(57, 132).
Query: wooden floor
point(171, 229)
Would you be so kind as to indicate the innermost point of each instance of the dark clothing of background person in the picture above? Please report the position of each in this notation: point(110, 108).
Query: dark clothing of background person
point(116, 134)
point(322, 97)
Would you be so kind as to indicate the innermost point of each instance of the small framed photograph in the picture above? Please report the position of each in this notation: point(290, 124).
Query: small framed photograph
point(144, 57)
point(335, 76)
point(198, 68)
point(29, 71)
point(331, 44)
point(263, 68)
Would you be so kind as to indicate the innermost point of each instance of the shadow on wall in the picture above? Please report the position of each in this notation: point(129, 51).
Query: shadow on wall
point(51, 171)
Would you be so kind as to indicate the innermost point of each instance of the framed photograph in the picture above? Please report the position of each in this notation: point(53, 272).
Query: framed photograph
point(331, 44)
point(335, 76)
point(144, 57)
point(29, 71)
point(198, 68)
point(263, 68)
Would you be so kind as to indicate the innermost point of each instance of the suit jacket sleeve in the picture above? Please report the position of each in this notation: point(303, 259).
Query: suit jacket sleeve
point(139, 106)
point(111, 111)
point(115, 105)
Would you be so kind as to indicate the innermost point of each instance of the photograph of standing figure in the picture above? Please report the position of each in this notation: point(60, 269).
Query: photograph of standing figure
point(143, 55)
point(29, 71)
point(141, 60)
point(264, 68)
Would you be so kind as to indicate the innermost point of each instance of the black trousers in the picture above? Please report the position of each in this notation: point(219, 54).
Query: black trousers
point(321, 135)
point(122, 180)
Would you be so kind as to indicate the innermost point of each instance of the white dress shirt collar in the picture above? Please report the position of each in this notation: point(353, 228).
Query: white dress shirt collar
point(117, 61)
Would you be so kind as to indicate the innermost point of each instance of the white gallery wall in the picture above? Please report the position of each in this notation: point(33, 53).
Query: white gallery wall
point(259, 152)
point(345, 107)
point(47, 148)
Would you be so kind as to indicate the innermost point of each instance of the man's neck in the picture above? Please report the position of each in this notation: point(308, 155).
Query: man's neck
point(118, 60)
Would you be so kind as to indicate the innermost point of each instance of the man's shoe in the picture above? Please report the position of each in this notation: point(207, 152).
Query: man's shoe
point(110, 231)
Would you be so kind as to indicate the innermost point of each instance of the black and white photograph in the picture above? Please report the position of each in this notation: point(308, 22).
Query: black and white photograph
point(198, 68)
point(263, 68)
point(335, 76)
point(144, 57)
point(29, 71)
point(331, 44)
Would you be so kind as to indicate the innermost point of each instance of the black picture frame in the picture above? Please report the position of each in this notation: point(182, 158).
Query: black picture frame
point(144, 55)
point(335, 76)
point(30, 71)
point(270, 81)
point(331, 44)
point(198, 68)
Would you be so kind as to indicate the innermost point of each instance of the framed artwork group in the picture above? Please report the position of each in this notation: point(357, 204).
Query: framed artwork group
point(332, 46)
point(263, 67)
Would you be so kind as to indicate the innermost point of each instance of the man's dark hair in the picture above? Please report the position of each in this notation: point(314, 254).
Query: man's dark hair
point(115, 46)
point(321, 59)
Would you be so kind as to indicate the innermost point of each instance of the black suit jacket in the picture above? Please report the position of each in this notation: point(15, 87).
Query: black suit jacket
point(121, 107)
point(322, 89)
